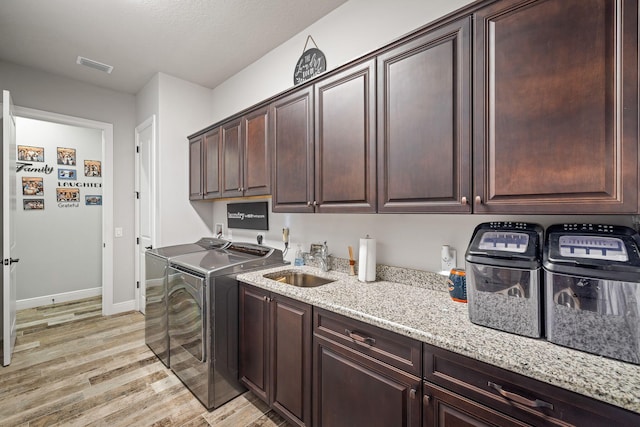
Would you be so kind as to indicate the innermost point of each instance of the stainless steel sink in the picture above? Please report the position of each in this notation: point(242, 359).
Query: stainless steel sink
point(298, 278)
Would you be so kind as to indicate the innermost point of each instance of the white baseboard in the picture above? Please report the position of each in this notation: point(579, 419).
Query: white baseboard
point(120, 307)
point(57, 298)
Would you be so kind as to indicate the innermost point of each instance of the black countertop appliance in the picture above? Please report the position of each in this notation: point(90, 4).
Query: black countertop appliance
point(592, 283)
point(504, 272)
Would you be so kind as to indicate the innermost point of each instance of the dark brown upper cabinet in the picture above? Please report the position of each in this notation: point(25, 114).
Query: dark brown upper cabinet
point(329, 167)
point(292, 139)
point(211, 165)
point(204, 167)
point(245, 157)
point(231, 134)
point(195, 168)
point(345, 141)
point(424, 123)
point(556, 105)
point(256, 153)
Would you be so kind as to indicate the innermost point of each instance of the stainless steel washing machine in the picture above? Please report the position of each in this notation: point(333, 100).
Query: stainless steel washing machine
point(203, 317)
point(156, 333)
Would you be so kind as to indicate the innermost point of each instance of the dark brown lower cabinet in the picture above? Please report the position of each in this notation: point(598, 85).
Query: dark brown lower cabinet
point(442, 408)
point(275, 351)
point(352, 384)
point(461, 391)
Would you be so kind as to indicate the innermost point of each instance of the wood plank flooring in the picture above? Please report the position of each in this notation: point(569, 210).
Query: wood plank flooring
point(74, 367)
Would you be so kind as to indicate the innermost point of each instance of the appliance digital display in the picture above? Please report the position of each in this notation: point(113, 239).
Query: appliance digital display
point(594, 247)
point(504, 241)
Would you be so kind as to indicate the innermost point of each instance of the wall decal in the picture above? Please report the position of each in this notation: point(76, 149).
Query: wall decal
point(66, 156)
point(66, 174)
point(67, 195)
point(27, 153)
point(32, 186)
point(33, 204)
point(93, 200)
point(92, 168)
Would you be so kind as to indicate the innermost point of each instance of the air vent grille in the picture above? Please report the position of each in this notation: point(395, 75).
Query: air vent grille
point(94, 64)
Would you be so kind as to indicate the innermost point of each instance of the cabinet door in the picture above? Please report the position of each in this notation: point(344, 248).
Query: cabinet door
point(254, 340)
point(345, 141)
point(291, 359)
point(195, 168)
point(355, 390)
point(231, 159)
point(211, 155)
point(257, 161)
point(292, 140)
point(441, 408)
point(424, 123)
point(556, 97)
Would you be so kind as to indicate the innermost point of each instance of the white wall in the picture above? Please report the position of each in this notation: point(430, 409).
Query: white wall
point(352, 30)
point(181, 108)
point(44, 91)
point(60, 247)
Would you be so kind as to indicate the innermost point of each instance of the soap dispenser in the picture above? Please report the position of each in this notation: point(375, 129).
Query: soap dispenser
point(298, 261)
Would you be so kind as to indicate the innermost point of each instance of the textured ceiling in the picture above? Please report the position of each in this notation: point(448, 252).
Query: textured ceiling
point(202, 41)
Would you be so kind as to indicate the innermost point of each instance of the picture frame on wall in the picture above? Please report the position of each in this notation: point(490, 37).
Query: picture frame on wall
point(67, 174)
point(32, 186)
point(67, 194)
point(66, 156)
point(92, 168)
point(93, 200)
point(33, 204)
point(27, 153)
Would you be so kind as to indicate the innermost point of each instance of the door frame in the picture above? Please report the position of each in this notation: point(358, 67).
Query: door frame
point(150, 122)
point(107, 190)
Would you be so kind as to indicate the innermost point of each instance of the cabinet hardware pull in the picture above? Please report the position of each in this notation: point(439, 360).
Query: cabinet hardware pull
point(426, 399)
point(464, 200)
point(315, 203)
point(309, 203)
point(359, 339)
point(412, 393)
point(537, 403)
point(266, 298)
point(478, 200)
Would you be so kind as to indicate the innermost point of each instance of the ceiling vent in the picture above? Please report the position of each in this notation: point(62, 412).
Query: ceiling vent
point(94, 64)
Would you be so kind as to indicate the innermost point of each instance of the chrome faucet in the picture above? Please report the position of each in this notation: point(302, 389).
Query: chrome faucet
point(324, 258)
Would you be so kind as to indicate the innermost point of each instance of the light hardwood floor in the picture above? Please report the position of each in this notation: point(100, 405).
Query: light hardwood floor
point(73, 367)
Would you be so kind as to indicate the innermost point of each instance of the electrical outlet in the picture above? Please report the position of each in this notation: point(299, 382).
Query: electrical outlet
point(118, 232)
point(448, 258)
point(219, 229)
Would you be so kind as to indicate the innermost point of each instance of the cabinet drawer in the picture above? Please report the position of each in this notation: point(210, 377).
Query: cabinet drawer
point(389, 347)
point(524, 398)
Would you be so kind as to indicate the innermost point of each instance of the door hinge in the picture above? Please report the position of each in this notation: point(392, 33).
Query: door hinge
point(137, 240)
point(137, 285)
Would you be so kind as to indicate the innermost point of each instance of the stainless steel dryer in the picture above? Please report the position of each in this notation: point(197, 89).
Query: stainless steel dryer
point(203, 317)
point(156, 332)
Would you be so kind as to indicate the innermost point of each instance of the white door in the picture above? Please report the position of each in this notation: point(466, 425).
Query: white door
point(145, 201)
point(8, 230)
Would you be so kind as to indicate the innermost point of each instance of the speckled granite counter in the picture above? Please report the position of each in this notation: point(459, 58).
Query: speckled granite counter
point(430, 316)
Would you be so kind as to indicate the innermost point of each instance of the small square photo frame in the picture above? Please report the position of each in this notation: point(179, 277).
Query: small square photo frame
point(28, 153)
point(93, 200)
point(93, 168)
point(69, 174)
point(33, 204)
point(32, 186)
point(66, 156)
point(67, 194)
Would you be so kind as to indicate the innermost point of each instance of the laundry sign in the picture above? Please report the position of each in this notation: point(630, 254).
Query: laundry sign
point(311, 63)
point(249, 216)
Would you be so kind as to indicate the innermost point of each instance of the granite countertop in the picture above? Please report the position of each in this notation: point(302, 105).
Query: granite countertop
point(430, 316)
